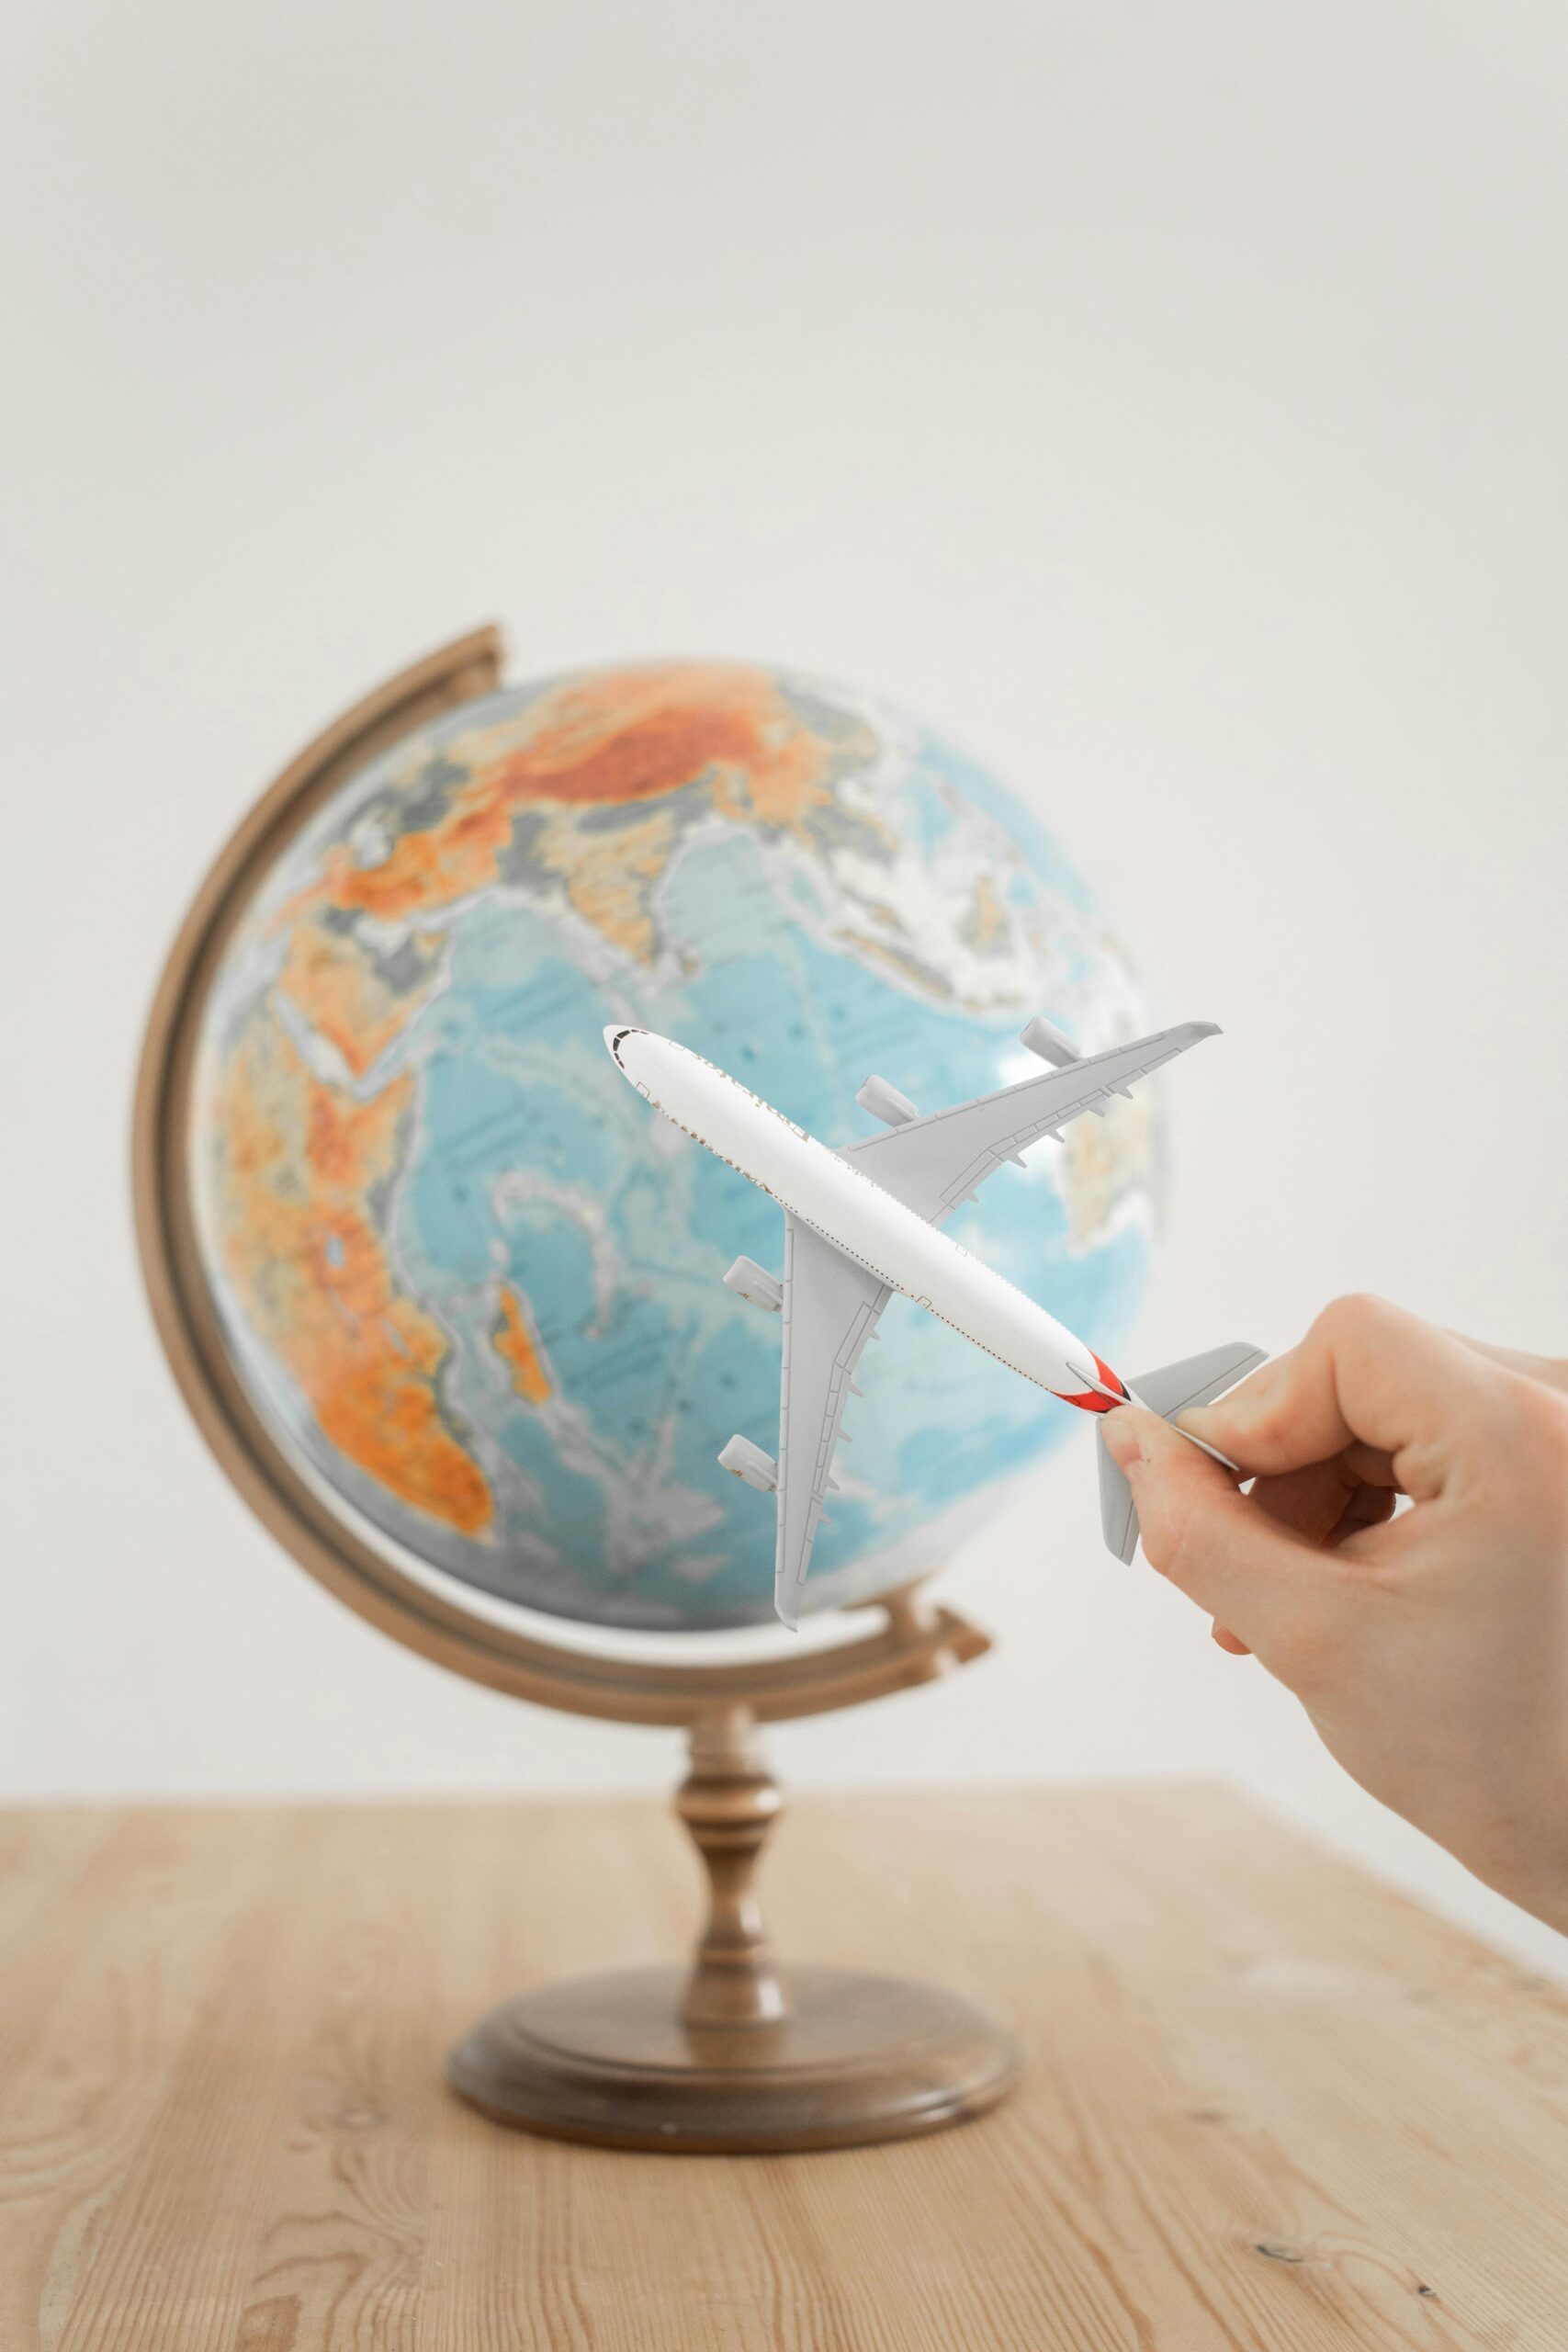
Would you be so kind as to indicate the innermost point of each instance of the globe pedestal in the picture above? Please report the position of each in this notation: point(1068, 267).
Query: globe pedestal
point(726, 2056)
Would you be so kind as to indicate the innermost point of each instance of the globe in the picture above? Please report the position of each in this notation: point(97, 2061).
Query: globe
point(474, 1288)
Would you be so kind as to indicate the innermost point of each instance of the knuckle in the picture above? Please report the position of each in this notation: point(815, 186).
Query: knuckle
point(1356, 1315)
point(1271, 1419)
point(1540, 1424)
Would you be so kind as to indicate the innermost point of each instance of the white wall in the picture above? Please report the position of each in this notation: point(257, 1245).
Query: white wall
point(1167, 400)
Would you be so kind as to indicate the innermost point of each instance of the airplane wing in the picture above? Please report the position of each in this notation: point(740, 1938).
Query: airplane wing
point(831, 1306)
point(934, 1164)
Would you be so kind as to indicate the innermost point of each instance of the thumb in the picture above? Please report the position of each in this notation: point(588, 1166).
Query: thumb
point(1272, 1589)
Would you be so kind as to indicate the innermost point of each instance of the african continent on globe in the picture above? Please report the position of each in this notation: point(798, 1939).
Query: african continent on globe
point(465, 1275)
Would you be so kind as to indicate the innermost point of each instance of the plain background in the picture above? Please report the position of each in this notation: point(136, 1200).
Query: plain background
point(1167, 401)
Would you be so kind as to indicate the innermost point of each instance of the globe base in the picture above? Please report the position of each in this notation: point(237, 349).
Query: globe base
point(728, 2056)
point(854, 2059)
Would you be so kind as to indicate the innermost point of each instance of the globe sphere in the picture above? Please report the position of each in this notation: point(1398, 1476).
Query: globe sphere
point(466, 1277)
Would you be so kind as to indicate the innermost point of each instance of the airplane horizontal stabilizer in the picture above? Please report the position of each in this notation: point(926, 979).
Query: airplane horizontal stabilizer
point(1196, 1380)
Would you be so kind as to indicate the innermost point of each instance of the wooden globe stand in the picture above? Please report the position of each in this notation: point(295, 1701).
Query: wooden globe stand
point(727, 2054)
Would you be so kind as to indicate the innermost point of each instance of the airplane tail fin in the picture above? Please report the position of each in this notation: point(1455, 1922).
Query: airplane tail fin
point(1197, 1379)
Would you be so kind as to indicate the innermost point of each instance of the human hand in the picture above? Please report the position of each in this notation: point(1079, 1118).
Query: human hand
point(1430, 1650)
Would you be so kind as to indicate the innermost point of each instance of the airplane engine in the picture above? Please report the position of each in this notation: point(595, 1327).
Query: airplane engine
point(749, 1462)
point(755, 1285)
point(1042, 1037)
point(885, 1103)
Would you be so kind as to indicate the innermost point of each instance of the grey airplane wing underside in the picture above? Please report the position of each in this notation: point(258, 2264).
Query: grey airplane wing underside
point(934, 1164)
point(831, 1306)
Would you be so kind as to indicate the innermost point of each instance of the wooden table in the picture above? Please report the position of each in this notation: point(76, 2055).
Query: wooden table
point(1268, 2103)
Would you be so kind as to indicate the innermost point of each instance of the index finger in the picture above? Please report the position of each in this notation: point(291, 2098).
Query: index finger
point(1366, 1374)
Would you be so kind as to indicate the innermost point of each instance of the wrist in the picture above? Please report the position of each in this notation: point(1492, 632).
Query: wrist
point(1523, 1851)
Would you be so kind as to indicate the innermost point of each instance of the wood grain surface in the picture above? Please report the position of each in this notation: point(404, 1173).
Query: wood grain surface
point(1268, 2103)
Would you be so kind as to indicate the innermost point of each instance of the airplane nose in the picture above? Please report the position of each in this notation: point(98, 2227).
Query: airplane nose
point(613, 1033)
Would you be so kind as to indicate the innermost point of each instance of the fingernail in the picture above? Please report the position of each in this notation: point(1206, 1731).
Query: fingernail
point(1197, 1420)
point(1120, 1440)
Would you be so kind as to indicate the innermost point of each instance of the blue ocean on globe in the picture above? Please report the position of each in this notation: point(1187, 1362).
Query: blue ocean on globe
point(475, 1283)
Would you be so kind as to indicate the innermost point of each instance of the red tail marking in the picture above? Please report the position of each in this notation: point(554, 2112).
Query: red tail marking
point(1088, 1400)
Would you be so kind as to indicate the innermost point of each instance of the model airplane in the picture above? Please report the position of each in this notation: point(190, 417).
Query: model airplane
point(861, 1223)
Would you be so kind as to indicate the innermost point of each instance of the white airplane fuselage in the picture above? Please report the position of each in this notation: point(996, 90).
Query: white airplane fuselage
point(861, 1218)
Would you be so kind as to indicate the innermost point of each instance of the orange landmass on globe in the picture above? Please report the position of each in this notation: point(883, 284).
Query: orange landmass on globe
point(345, 998)
point(294, 1164)
point(614, 740)
point(609, 880)
point(516, 1344)
point(626, 735)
